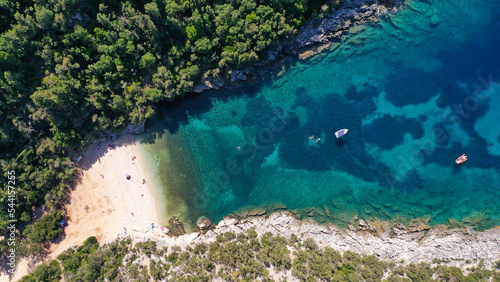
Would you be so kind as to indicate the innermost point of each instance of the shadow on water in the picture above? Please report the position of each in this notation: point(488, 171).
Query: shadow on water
point(310, 146)
point(179, 176)
point(464, 69)
point(172, 114)
point(340, 143)
point(301, 148)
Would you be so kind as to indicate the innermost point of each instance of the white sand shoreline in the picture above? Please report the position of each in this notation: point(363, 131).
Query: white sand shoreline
point(103, 203)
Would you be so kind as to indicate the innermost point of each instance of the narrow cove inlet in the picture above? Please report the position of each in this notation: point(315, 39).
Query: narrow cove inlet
point(298, 140)
point(415, 90)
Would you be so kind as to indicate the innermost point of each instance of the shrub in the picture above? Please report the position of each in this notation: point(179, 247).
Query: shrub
point(420, 272)
point(496, 277)
point(173, 257)
point(333, 256)
point(70, 260)
point(299, 266)
point(46, 228)
point(92, 268)
point(252, 233)
point(156, 270)
point(200, 249)
point(450, 273)
point(479, 275)
point(372, 269)
point(46, 272)
point(310, 244)
point(88, 246)
point(147, 247)
point(351, 260)
point(229, 236)
point(294, 240)
point(320, 265)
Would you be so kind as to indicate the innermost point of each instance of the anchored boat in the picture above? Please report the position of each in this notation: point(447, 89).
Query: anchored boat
point(341, 132)
point(461, 159)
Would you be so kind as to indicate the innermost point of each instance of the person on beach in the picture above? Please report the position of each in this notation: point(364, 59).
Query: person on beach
point(143, 181)
point(152, 227)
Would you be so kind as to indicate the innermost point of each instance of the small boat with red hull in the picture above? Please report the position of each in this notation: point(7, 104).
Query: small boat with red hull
point(461, 159)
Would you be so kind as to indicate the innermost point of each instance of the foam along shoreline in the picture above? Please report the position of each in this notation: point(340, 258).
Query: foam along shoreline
point(103, 202)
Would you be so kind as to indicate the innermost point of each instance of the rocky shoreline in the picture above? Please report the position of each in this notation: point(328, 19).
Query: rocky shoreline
point(314, 37)
point(414, 243)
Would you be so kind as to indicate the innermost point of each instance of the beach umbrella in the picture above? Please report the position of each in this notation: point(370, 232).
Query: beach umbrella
point(127, 176)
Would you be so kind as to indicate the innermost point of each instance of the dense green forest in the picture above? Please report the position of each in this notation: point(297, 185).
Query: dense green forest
point(72, 70)
point(242, 257)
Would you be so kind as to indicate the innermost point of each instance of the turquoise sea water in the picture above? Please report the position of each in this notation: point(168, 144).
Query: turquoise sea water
point(416, 90)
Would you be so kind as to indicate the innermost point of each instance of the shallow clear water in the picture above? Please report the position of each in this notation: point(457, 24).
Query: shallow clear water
point(413, 95)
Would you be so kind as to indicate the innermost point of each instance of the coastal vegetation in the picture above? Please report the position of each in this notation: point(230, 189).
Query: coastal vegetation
point(241, 257)
point(72, 71)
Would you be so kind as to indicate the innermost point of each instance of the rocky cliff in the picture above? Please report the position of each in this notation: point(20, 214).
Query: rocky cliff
point(338, 22)
point(413, 243)
point(315, 36)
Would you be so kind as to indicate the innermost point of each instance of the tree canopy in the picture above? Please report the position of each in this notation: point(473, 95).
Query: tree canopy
point(71, 69)
point(245, 257)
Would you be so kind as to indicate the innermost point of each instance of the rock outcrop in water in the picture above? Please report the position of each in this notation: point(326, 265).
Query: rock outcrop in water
point(204, 225)
point(315, 36)
point(334, 25)
point(413, 243)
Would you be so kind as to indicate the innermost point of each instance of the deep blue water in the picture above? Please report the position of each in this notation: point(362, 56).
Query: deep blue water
point(414, 97)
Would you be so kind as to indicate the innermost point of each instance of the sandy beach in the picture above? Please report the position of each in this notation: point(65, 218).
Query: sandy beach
point(103, 202)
